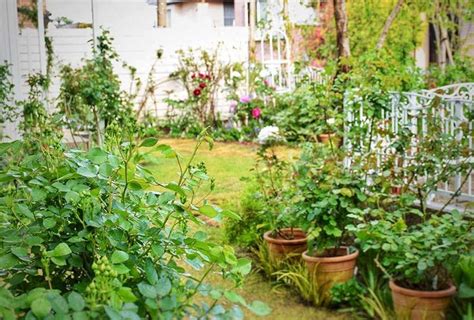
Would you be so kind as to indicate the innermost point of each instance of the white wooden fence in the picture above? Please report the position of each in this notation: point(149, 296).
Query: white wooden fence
point(452, 107)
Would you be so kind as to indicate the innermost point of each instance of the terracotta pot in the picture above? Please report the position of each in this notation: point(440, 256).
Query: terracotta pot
point(326, 137)
point(280, 248)
point(396, 190)
point(328, 271)
point(418, 305)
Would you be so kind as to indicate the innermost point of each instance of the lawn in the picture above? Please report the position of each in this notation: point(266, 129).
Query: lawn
point(228, 163)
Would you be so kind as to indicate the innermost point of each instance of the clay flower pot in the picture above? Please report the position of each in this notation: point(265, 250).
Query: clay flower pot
point(325, 138)
point(418, 305)
point(280, 247)
point(331, 270)
point(396, 190)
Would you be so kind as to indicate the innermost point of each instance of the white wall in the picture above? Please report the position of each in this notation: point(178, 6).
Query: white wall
point(9, 53)
point(136, 40)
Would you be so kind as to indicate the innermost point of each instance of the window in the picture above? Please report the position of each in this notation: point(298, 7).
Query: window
point(261, 10)
point(229, 14)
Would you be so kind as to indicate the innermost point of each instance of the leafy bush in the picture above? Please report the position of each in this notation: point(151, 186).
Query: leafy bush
point(87, 238)
point(419, 256)
point(90, 96)
point(247, 231)
point(326, 197)
point(464, 279)
point(6, 91)
point(304, 113)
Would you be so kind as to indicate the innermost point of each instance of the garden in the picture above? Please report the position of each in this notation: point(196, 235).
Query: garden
point(348, 195)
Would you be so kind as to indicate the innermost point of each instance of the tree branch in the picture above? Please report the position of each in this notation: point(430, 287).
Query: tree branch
point(388, 24)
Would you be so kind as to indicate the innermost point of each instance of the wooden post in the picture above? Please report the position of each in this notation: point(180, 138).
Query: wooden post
point(161, 11)
point(252, 26)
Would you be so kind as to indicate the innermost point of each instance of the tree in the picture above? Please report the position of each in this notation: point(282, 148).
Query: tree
point(388, 24)
point(342, 35)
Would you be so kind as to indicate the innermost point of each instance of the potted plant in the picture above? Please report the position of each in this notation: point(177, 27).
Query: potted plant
point(326, 197)
point(418, 258)
point(329, 134)
point(273, 177)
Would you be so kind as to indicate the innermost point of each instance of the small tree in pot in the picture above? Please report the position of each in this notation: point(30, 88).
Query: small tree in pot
point(326, 199)
point(418, 258)
point(274, 179)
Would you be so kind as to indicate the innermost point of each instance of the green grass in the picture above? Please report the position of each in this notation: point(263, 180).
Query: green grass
point(228, 163)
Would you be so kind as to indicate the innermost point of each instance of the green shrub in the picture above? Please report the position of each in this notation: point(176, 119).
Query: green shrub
point(248, 231)
point(87, 237)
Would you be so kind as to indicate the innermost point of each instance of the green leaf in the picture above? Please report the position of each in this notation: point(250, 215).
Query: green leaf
point(76, 301)
point(20, 252)
point(135, 185)
point(466, 292)
point(166, 150)
point(243, 266)
point(112, 314)
point(208, 211)
point(24, 210)
point(231, 215)
point(8, 261)
point(72, 197)
point(89, 171)
point(105, 170)
point(163, 287)
point(234, 297)
point(346, 192)
point(174, 187)
point(147, 290)
point(259, 308)
point(61, 249)
point(38, 195)
point(422, 265)
point(149, 142)
point(49, 223)
point(59, 304)
point(41, 307)
point(150, 271)
point(119, 256)
point(120, 268)
point(60, 261)
point(97, 155)
point(127, 294)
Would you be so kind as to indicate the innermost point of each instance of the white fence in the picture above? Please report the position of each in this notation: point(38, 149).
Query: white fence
point(450, 107)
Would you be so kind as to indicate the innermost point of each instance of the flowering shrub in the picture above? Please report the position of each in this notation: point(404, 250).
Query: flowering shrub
point(202, 75)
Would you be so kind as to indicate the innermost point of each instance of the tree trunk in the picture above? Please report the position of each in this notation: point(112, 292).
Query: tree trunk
point(388, 24)
point(161, 12)
point(343, 49)
point(252, 46)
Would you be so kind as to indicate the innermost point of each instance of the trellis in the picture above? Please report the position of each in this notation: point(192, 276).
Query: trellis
point(275, 56)
point(451, 106)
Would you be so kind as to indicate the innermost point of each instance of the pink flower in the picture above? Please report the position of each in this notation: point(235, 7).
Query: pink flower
point(256, 112)
point(201, 75)
point(197, 92)
point(245, 99)
point(193, 76)
point(202, 85)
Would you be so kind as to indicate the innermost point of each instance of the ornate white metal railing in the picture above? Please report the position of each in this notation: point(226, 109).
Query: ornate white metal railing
point(449, 108)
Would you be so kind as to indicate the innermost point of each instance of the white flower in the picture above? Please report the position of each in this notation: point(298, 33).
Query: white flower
point(235, 74)
point(269, 133)
point(331, 121)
